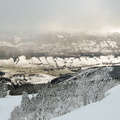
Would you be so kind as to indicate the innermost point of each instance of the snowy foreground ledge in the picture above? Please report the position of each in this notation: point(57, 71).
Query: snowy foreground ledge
point(107, 109)
point(7, 105)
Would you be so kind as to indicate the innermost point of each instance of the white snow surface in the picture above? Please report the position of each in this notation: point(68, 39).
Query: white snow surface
point(106, 109)
point(49, 61)
point(41, 78)
point(7, 104)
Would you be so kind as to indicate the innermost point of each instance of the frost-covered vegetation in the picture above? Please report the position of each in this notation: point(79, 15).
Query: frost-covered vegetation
point(106, 109)
point(3, 86)
point(56, 99)
point(3, 90)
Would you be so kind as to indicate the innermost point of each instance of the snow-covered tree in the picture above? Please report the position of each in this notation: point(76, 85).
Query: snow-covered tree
point(25, 103)
point(60, 98)
point(16, 113)
point(3, 90)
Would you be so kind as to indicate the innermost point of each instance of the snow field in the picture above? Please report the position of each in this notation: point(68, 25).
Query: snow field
point(50, 61)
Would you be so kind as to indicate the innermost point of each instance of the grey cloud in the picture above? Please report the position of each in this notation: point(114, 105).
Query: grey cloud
point(59, 15)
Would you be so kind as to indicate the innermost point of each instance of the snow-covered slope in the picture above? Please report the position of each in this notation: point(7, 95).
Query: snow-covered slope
point(7, 104)
point(107, 109)
point(51, 62)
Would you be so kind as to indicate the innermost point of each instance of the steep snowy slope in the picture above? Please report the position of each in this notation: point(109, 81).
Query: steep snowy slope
point(107, 109)
point(7, 104)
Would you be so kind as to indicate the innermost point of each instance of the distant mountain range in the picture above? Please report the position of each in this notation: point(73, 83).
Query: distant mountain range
point(59, 45)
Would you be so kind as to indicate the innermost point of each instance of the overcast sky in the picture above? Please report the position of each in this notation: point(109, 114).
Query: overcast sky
point(59, 15)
